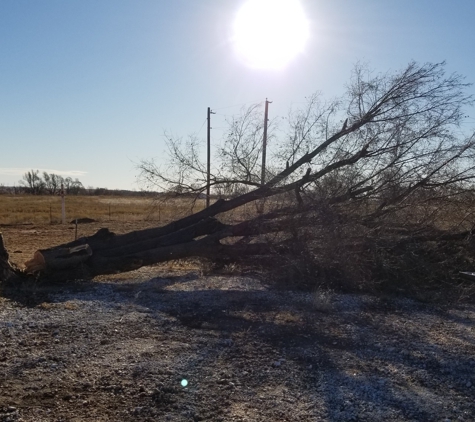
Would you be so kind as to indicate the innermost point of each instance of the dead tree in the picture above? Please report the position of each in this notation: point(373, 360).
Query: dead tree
point(398, 147)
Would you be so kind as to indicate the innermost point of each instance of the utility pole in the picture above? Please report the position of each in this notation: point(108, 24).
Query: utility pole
point(208, 179)
point(264, 143)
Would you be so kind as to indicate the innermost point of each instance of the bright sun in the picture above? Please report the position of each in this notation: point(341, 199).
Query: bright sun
point(270, 33)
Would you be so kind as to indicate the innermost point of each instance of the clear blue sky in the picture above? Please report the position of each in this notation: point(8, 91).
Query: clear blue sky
point(88, 87)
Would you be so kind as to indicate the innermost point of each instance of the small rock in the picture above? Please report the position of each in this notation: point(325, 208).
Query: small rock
point(137, 410)
point(276, 364)
point(469, 384)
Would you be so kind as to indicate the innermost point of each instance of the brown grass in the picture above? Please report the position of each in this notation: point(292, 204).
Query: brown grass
point(23, 209)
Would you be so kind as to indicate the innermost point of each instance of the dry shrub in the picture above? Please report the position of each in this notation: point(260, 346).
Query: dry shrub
point(325, 250)
point(428, 270)
point(338, 252)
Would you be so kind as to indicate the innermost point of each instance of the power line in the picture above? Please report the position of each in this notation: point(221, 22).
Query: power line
point(204, 121)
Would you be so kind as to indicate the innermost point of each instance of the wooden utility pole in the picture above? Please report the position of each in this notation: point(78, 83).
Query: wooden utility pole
point(264, 142)
point(208, 169)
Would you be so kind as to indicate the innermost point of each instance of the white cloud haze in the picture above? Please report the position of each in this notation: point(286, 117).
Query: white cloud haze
point(21, 171)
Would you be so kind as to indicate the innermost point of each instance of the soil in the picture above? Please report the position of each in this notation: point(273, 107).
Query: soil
point(169, 343)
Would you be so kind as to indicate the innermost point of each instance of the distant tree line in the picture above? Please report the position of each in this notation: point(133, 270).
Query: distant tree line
point(49, 184)
point(35, 183)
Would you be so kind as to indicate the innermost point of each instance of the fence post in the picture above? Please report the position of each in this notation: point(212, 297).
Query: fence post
point(63, 206)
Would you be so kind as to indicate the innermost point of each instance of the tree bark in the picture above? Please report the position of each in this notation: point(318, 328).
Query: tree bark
point(106, 252)
point(58, 258)
point(7, 270)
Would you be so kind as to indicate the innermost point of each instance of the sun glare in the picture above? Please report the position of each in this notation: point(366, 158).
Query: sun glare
point(270, 33)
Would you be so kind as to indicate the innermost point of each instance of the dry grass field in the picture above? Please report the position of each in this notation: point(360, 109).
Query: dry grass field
point(23, 209)
point(39, 209)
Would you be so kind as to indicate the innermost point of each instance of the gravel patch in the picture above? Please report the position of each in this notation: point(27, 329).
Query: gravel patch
point(226, 348)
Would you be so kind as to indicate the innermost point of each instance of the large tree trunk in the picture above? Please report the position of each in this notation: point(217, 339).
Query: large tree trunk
point(106, 252)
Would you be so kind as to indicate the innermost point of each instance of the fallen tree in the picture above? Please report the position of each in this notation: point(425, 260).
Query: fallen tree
point(396, 150)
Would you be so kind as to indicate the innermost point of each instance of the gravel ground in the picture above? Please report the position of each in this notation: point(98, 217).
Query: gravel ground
point(123, 348)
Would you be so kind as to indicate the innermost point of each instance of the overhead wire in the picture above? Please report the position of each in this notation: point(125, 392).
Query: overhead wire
point(201, 128)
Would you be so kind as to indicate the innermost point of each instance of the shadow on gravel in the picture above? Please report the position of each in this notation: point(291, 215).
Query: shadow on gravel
point(31, 293)
point(361, 359)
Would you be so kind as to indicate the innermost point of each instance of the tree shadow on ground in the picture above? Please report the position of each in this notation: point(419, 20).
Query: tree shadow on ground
point(357, 360)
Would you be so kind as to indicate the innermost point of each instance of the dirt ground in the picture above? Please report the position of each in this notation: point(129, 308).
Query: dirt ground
point(168, 343)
